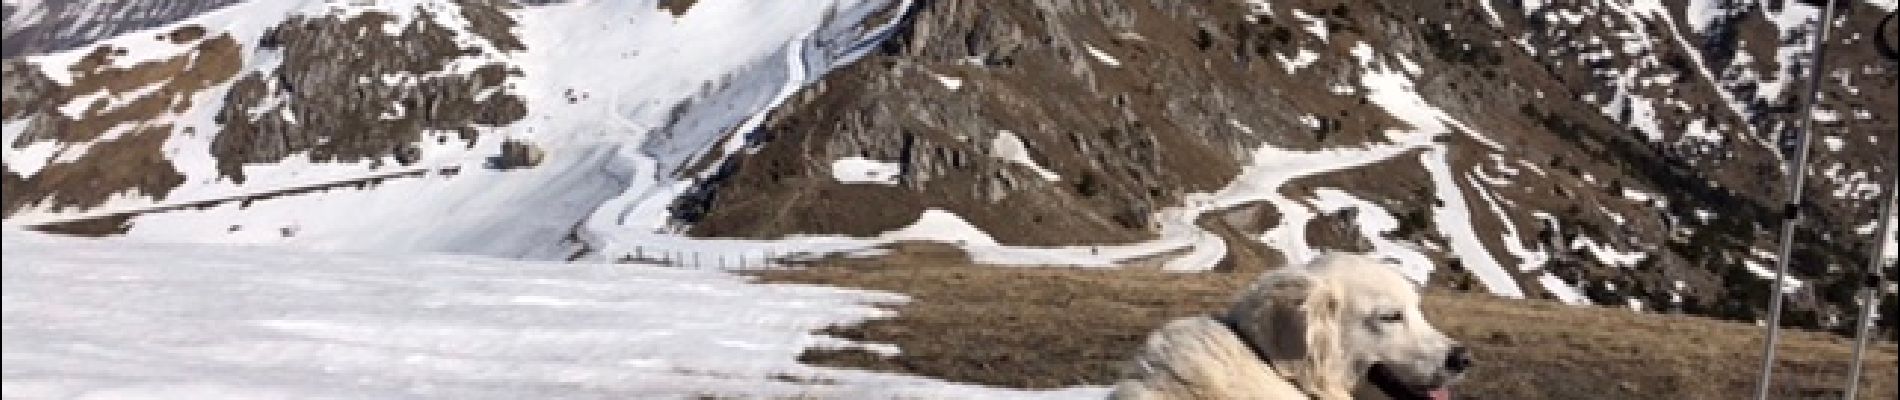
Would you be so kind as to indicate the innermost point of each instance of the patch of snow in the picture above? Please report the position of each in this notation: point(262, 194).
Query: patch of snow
point(863, 170)
point(948, 82)
point(1703, 14)
point(1397, 94)
point(1454, 220)
point(1825, 115)
point(1643, 117)
point(1606, 254)
point(1889, 249)
point(1699, 129)
point(81, 103)
point(1311, 121)
point(29, 159)
point(1867, 228)
point(1833, 143)
point(1302, 59)
point(1260, 7)
point(1344, 89)
point(942, 226)
point(1767, 273)
point(1642, 196)
point(1491, 13)
point(1102, 56)
point(1562, 291)
point(1010, 148)
point(395, 111)
point(1529, 259)
point(1314, 25)
point(1411, 68)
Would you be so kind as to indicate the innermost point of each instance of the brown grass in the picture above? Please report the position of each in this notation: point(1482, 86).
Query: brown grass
point(1020, 327)
point(1047, 327)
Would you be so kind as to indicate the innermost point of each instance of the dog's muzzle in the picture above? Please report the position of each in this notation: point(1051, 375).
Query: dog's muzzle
point(1436, 387)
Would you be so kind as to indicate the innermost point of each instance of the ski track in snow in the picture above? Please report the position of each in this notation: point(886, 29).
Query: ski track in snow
point(121, 318)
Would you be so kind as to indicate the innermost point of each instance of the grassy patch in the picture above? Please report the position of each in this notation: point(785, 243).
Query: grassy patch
point(1054, 327)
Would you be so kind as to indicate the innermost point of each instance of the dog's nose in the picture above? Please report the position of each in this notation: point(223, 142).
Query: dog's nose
point(1459, 360)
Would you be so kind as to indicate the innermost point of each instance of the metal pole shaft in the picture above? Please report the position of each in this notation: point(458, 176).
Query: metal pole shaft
point(1870, 290)
point(1791, 218)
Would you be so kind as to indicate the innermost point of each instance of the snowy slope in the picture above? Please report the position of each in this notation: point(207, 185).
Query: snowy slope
point(126, 319)
point(661, 92)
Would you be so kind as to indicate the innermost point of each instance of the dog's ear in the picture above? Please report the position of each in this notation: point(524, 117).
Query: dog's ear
point(1294, 319)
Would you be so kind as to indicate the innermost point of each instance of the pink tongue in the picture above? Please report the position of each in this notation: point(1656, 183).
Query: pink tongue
point(1440, 394)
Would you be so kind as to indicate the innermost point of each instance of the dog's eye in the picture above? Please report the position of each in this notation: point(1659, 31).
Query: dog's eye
point(1391, 317)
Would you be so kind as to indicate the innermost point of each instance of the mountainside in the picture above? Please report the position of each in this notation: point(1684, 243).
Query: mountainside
point(38, 26)
point(1616, 153)
point(1595, 154)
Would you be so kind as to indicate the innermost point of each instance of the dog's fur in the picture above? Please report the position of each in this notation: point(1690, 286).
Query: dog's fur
point(1297, 333)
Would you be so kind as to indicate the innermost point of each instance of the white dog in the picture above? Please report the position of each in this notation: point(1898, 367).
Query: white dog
point(1299, 333)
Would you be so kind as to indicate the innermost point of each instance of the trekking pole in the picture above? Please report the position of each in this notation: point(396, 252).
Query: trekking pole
point(1873, 279)
point(1791, 216)
point(1876, 275)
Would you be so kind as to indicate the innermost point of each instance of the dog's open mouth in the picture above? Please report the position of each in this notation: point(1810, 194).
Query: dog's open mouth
point(1396, 388)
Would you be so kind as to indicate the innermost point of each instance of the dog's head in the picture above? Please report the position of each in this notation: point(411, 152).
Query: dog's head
point(1344, 318)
